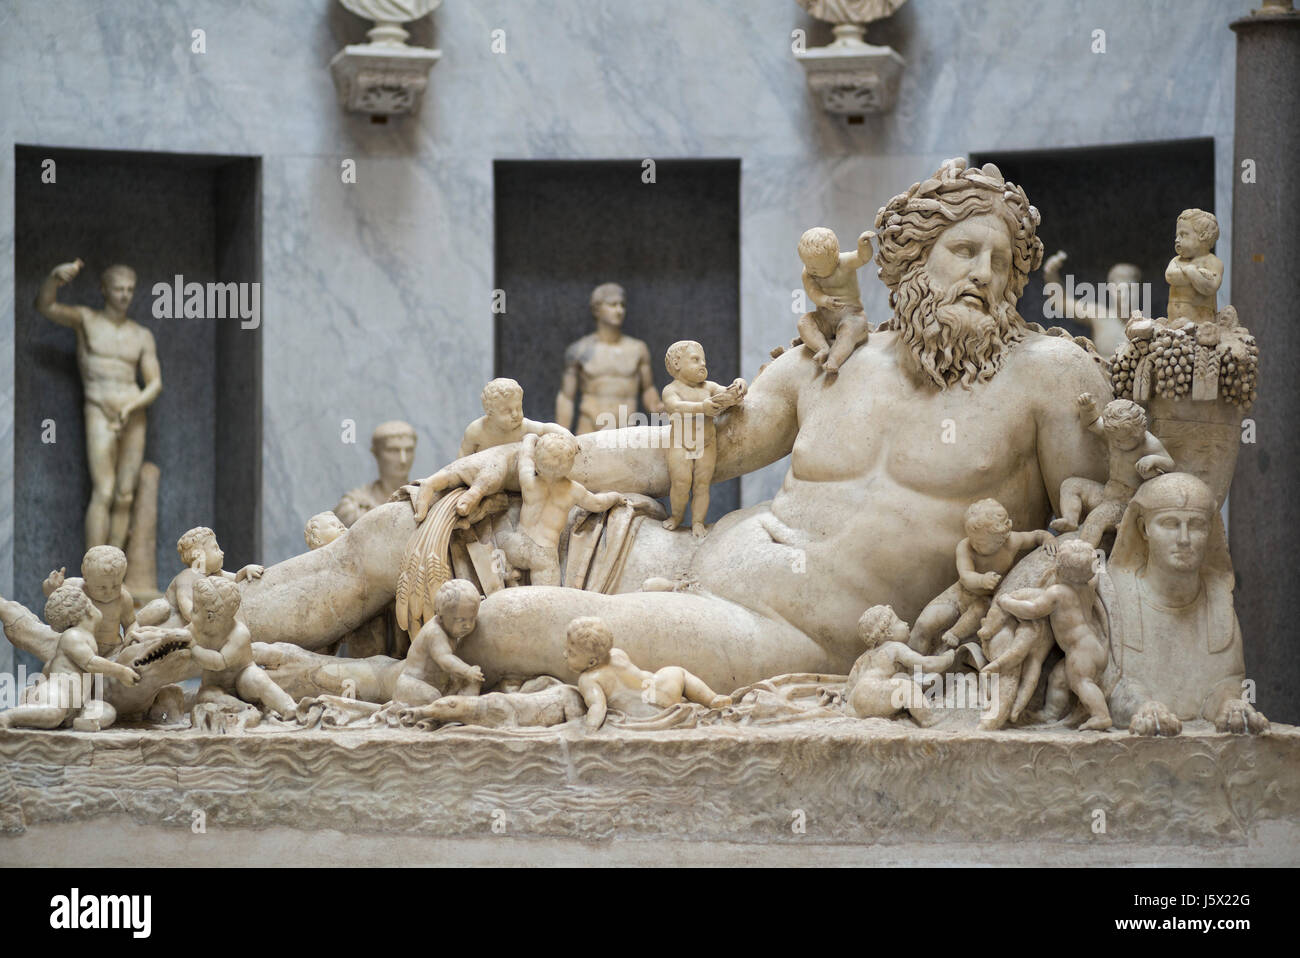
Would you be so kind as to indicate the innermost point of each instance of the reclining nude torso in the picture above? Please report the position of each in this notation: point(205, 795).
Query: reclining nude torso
point(883, 466)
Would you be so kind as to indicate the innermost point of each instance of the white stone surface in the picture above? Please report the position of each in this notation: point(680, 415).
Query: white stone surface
point(859, 792)
point(382, 288)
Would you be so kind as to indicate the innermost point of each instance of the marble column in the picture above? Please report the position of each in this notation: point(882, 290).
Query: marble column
point(1264, 510)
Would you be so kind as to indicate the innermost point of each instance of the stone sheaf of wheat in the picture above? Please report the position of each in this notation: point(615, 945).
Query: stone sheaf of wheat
point(425, 564)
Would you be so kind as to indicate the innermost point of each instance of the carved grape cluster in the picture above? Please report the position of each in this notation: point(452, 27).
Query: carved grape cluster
point(1124, 366)
point(1239, 373)
point(1173, 354)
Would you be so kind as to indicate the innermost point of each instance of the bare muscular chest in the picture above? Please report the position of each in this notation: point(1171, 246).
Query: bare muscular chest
point(599, 360)
point(874, 424)
point(102, 338)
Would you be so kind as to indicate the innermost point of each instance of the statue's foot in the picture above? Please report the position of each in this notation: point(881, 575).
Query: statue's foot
point(1154, 718)
point(671, 522)
point(698, 530)
point(1062, 525)
point(1239, 717)
point(1098, 723)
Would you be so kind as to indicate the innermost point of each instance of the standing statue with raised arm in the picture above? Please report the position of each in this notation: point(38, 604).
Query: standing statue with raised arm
point(112, 351)
point(1105, 314)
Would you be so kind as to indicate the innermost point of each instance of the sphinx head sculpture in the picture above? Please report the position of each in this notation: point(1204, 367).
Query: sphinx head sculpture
point(1176, 649)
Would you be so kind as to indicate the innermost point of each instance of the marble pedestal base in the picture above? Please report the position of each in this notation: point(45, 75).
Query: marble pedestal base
point(841, 792)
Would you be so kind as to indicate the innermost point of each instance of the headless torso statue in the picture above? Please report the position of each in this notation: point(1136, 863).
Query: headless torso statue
point(610, 368)
point(112, 351)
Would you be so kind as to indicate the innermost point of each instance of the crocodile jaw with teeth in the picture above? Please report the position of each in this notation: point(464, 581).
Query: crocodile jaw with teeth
point(159, 665)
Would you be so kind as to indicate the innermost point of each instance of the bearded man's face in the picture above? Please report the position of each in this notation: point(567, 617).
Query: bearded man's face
point(970, 263)
point(956, 319)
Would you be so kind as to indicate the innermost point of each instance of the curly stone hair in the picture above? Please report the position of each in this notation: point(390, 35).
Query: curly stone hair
point(908, 225)
point(818, 243)
point(217, 593)
point(673, 357)
point(192, 540)
point(105, 560)
point(987, 515)
point(1205, 225)
point(500, 390)
point(1074, 559)
point(589, 637)
point(453, 593)
point(558, 447)
point(1123, 415)
point(875, 625)
point(66, 606)
point(314, 533)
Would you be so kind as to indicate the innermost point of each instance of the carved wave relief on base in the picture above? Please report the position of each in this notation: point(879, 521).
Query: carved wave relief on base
point(856, 783)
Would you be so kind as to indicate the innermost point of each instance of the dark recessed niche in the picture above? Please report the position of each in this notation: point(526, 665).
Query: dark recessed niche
point(1107, 205)
point(163, 214)
point(564, 227)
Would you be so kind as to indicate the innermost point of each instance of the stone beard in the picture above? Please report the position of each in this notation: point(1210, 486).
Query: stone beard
point(951, 341)
point(954, 296)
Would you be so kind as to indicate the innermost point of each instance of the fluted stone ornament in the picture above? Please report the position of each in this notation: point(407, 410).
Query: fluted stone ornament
point(385, 76)
point(849, 75)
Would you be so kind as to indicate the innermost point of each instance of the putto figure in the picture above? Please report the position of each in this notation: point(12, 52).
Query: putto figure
point(549, 494)
point(986, 555)
point(1135, 456)
point(76, 618)
point(1070, 602)
point(693, 401)
point(1194, 275)
point(503, 419)
point(112, 351)
point(223, 648)
point(879, 685)
point(432, 657)
point(203, 558)
point(608, 678)
point(839, 324)
point(609, 368)
point(393, 446)
point(103, 571)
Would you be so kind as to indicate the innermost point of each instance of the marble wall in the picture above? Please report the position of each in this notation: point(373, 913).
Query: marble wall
point(377, 294)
